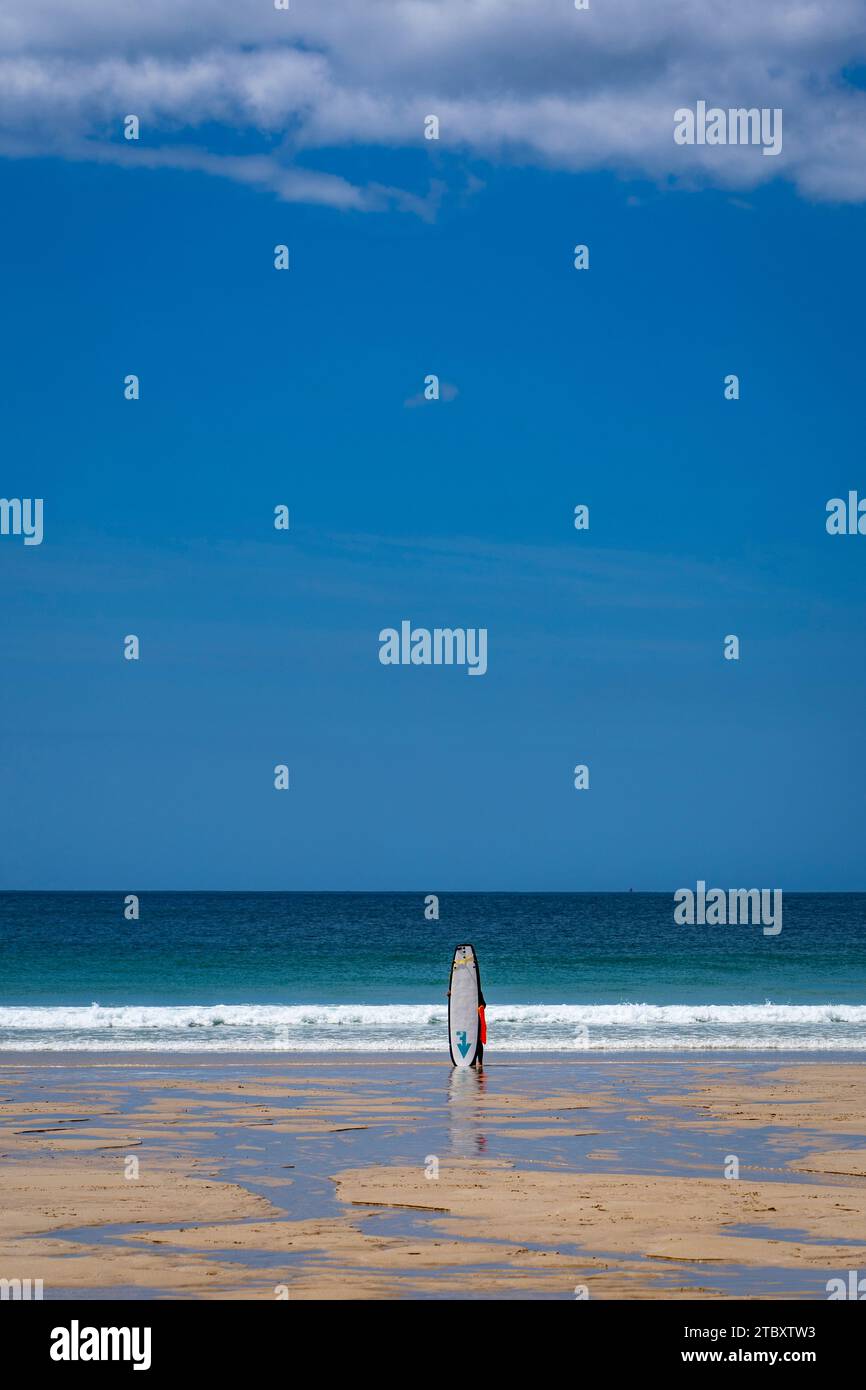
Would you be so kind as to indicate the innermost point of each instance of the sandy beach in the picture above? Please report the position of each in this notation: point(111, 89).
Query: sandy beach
point(220, 1177)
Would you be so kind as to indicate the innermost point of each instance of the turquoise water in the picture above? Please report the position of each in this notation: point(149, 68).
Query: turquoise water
point(368, 972)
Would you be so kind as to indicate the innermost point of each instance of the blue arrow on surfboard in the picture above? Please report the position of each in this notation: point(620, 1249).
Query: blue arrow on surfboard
point(462, 1047)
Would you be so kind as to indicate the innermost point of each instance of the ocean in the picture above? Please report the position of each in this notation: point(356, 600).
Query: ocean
point(367, 972)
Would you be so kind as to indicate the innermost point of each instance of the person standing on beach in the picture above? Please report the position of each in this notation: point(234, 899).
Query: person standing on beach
point(482, 1028)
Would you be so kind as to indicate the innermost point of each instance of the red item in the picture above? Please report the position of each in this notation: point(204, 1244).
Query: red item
point(483, 1023)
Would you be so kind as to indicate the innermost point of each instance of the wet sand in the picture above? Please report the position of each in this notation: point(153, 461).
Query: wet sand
point(355, 1177)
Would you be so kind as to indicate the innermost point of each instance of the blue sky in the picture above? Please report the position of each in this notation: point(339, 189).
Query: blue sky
point(258, 647)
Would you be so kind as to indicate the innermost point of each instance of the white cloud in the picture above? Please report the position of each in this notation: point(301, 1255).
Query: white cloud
point(528, 81)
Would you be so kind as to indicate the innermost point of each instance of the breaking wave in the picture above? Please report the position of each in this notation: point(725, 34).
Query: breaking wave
point(422, 1027)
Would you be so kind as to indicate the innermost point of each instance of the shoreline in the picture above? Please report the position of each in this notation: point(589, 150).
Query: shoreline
point(73, 1057)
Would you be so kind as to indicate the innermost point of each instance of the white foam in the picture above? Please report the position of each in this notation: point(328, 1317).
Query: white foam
point(421, 1027)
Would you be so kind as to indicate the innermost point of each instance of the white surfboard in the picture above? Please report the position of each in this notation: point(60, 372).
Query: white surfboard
point(463, 1022)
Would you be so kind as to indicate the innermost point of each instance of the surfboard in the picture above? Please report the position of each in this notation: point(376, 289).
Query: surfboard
point(463, 1022)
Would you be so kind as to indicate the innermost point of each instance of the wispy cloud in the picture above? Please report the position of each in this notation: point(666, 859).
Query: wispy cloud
point(524, 81)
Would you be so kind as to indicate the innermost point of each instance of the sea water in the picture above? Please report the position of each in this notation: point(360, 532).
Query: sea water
point(367, 972)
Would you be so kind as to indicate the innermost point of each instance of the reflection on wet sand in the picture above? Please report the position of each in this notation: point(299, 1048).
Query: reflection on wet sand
point(466, 1114)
